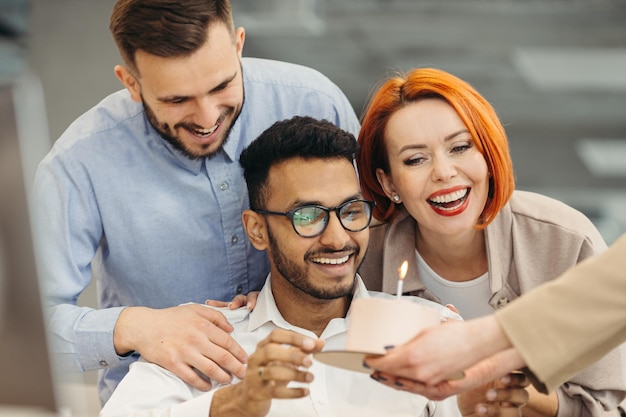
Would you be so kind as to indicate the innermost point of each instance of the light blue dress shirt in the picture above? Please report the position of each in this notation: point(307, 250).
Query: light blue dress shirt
point(116, 203)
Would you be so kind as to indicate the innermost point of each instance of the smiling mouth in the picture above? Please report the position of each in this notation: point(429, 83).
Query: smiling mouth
point(331, 261)
point(203, 133)
point(450, 201)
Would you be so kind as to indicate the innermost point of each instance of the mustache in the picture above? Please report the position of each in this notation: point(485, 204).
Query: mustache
point(351, 249)
point(194, 126)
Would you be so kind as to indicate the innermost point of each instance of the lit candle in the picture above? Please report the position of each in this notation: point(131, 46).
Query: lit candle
point(401, 275)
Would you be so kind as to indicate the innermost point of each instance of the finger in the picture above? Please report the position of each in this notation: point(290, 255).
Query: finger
point(495, 410)
point(284, 392)
point(399, 383)
point(282, 354)
point(261, 372)
point(239, 301)
point(192, 377)
point(252, 298)
point(216, 303)
point(218, 334)
point(513, 379)
point(283, 374)
point(402, 361)
point(515, 396)
point(210, 369)
point(453, 308)
point(219, 357)
point(434, 392)
point(213, 316)
point(305, 343)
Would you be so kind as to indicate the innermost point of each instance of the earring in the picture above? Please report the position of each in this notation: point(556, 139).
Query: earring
point(396, 198)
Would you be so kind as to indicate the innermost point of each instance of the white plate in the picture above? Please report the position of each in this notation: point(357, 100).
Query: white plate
point(352, 361)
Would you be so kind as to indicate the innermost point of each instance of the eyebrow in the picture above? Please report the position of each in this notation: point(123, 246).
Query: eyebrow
point(446, 139)
point(300, 203)
point(220, 86)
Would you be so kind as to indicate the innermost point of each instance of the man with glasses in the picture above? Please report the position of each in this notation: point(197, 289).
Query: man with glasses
point(308, 213)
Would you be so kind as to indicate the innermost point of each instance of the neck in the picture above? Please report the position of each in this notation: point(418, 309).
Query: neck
point(457, 258)
point(305, 311)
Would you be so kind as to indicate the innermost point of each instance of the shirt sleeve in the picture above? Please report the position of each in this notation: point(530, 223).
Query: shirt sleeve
point(566, 325)
point(346, 117)
point(151, 391)
point(67, 230)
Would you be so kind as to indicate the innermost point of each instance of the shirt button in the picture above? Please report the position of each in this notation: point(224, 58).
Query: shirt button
point(502, 302)
point(234, 239)
point(239, 289)
point(224, 186)
point(104, 363)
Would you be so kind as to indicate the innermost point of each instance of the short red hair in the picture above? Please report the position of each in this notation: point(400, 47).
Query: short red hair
point(477, 114)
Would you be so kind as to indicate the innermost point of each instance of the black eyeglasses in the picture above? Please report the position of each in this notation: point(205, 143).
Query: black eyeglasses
point(311, 220)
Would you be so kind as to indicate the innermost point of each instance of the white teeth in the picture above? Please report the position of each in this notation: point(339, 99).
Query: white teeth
point(441, 199)
point(206, 132)
point(331, 261)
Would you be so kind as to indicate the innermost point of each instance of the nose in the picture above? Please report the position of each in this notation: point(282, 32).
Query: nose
point(206, 112)
point(443, 169)
point(335, 236)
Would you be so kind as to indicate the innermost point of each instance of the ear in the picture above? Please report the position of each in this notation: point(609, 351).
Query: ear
point(129, 81)
point(254, 224)
point(240, 38)
point(386, 183)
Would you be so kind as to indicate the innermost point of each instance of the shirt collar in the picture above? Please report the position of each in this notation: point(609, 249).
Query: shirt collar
point(232, 145)
point(266, 310)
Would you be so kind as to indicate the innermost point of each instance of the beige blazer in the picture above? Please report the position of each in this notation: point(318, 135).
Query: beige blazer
point(568, 324)
point(532, 240)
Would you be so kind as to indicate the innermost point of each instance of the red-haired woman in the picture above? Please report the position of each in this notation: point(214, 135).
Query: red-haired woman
point(435, 158)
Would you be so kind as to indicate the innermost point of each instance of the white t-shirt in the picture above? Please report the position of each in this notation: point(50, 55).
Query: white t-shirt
point(471, 297)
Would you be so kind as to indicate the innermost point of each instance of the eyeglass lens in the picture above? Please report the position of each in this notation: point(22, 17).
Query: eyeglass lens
point(312, 220)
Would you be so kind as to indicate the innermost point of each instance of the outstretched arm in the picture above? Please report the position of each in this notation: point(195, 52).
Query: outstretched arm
point(440, 351)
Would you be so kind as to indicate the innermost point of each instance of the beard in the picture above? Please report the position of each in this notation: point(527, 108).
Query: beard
point(168, 133)
point(297, 275)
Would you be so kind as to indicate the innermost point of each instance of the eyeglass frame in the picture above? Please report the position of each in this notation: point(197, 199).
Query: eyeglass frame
point(337, 209)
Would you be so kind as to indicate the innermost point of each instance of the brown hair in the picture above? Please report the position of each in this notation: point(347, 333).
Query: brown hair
point(476, 113)
point(165, 28)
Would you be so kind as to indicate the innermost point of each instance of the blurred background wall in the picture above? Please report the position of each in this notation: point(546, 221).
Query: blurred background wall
point(555, 70)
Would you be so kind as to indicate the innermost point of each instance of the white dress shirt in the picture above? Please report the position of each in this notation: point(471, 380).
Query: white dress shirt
point(149, 390)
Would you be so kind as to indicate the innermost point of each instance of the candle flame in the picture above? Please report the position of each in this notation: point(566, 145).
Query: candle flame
point(402, 270)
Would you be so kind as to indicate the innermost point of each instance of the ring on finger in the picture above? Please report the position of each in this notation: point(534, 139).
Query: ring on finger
point(261, 372)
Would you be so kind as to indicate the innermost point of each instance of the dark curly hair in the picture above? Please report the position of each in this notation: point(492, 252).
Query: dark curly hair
point(298, 137)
